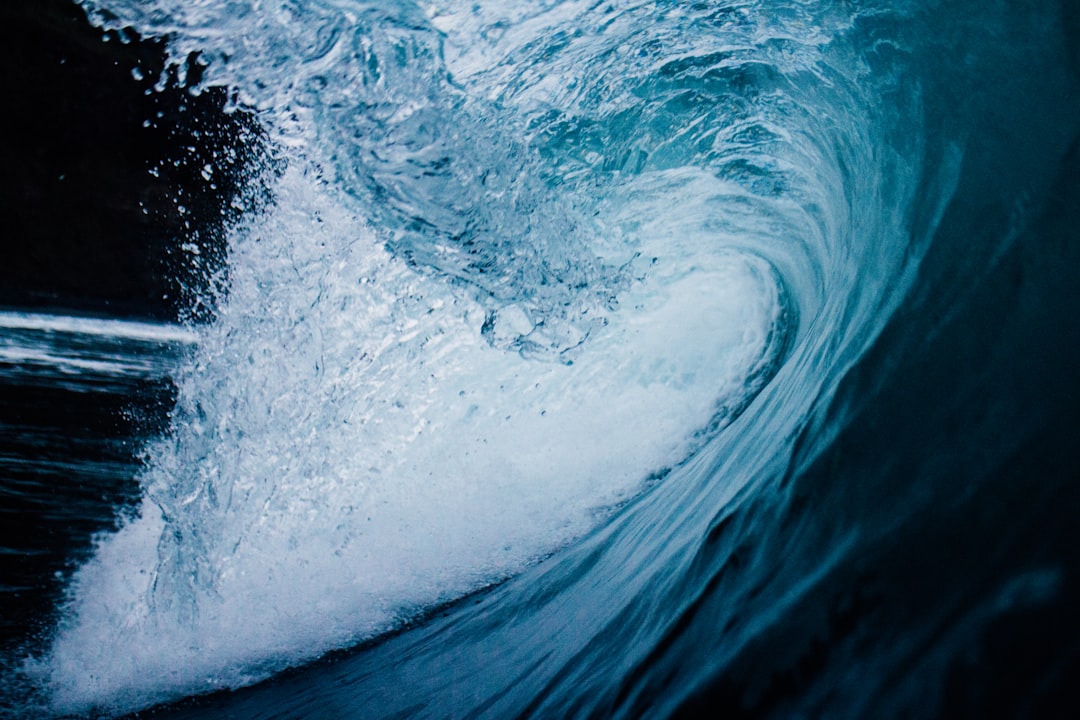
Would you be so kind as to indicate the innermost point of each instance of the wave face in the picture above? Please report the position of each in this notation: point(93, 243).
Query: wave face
point(592, 284)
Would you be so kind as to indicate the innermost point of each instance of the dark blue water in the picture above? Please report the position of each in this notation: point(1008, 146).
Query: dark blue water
point(591, 359)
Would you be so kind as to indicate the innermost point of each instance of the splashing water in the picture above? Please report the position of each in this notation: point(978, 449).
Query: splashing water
point(493, 300)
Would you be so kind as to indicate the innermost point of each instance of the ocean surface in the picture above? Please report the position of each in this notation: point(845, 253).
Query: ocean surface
point(579, 359)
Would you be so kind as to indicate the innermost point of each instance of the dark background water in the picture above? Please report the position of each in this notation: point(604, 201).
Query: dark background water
point(102, 174)
point(101, 186)
point(954, 446)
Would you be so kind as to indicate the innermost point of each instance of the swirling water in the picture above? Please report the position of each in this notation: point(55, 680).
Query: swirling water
point(626, 322)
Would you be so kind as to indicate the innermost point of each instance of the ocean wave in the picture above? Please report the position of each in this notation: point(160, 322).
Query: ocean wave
point(572, 293)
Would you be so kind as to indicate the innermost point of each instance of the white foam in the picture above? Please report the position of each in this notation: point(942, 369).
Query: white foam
point(350, 449)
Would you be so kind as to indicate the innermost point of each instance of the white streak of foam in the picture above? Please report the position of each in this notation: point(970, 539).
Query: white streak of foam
point(100, 327)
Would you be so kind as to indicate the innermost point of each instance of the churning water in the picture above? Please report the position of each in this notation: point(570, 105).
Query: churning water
point(696, 345)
